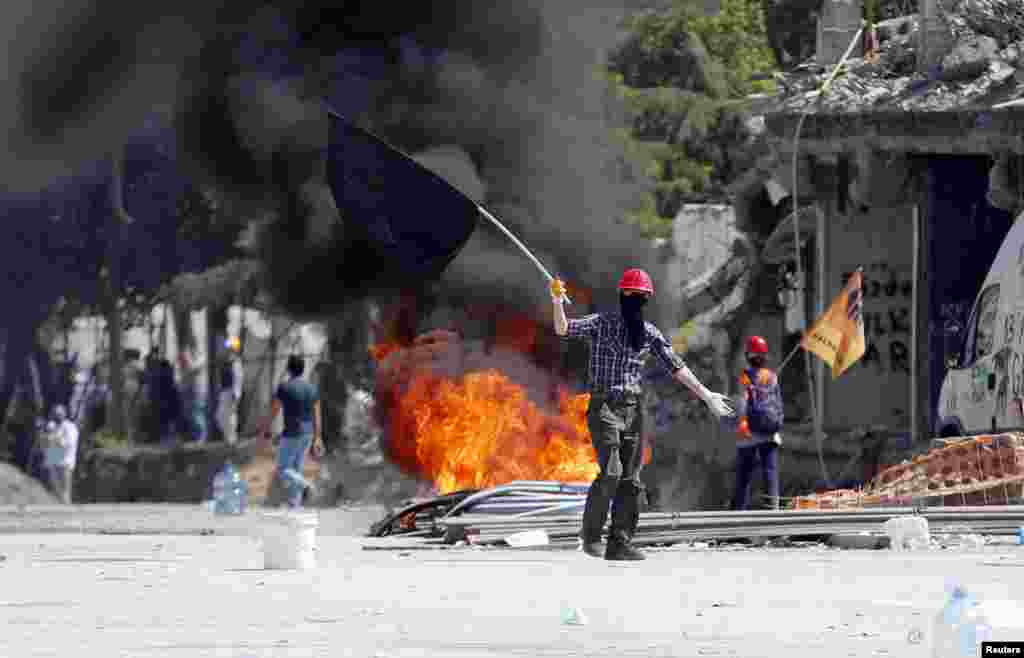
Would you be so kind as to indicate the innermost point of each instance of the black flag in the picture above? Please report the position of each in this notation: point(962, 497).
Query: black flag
point(403, 223)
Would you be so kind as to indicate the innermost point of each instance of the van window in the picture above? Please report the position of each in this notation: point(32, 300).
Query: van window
point(981, 340)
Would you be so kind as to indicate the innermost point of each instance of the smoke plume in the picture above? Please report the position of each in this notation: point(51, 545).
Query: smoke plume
point(506, 93)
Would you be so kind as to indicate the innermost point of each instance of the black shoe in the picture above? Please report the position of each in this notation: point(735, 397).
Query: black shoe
point(621, 551)
point(308, 493)
point(593, 548)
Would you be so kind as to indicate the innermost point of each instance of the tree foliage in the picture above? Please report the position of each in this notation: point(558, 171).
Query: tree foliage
point(681, 74)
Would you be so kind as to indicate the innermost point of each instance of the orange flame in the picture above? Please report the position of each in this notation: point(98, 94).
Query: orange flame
point(383, 350)
point(480, 431)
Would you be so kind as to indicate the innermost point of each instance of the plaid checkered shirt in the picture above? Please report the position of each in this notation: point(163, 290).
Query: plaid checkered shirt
point(615, 367)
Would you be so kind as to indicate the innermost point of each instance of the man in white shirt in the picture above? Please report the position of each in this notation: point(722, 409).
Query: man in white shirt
point(62, 453)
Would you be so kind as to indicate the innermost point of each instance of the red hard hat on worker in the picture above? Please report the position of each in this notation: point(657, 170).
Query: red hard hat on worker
point(757, 345)
point(636, 279)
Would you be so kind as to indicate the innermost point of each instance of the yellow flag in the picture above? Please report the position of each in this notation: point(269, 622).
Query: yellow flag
point(838, 335)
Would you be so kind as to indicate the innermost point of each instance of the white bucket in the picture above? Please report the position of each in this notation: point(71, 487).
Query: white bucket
point(289, 540)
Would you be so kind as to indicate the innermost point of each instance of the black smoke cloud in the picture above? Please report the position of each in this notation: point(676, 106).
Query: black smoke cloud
point(510, 84)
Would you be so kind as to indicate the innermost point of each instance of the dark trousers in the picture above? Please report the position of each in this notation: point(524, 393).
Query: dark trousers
point(747, 459)
point(615, 433)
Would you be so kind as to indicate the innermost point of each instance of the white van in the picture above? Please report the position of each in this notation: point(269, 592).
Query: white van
point(982, 390)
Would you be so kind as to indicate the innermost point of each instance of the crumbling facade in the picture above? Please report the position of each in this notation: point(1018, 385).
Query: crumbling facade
point(911, 160)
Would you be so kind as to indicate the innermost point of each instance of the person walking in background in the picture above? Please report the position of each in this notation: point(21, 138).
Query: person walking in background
point(760, 421)
point(168, 404)
point(195, 390)
point(61, 453)
point(299, 401)
point(620, 343)
point(231, 379)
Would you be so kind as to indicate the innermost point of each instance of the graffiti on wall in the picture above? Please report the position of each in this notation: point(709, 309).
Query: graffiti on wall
point(887, 317)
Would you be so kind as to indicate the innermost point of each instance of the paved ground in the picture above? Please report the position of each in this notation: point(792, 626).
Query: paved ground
point(74, 594)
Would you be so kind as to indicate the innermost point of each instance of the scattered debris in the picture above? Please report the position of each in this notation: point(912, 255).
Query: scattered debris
point(978, 69)
point(528, 538)
point(573, 616)
point(862, 541)
point(907, 532)
point(438, 526)
point(864, 634)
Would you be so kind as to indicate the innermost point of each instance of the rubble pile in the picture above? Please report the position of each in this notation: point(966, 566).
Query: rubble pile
point(982, 470)
point(983, 67)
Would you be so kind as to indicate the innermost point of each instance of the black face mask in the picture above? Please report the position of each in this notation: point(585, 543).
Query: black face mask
point(633, 313)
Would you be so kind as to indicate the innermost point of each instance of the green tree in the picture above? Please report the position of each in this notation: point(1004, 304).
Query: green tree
point(683, 76)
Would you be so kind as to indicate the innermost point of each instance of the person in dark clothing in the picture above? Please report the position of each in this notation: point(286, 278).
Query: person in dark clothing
point(299, 401)
point(166, 401)
point(23, 426)
point(620, 343)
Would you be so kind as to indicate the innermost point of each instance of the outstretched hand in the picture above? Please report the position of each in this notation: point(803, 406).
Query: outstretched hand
point(720, 405)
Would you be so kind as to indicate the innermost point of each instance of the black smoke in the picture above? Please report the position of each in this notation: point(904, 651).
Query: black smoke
point(510, 84)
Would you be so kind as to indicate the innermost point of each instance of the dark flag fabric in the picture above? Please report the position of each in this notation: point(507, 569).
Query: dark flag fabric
point(404, 224)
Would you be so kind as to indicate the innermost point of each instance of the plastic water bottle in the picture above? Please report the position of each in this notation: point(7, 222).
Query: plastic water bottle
point(238, 490)
point(960, 627)
point(219, 491)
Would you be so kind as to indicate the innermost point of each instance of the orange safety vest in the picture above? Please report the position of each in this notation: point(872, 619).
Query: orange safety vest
point(764, 376)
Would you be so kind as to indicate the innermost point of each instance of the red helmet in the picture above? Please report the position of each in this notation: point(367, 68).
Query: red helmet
point(636, 280)
point(757, 345)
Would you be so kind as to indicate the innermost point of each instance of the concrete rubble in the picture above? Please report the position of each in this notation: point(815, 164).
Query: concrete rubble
point(984, 67)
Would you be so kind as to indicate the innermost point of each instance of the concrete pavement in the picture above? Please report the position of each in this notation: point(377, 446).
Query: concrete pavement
point(75, 594)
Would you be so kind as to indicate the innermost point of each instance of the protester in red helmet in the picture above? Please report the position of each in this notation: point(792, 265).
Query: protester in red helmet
point(620, 343)
point(760, 420)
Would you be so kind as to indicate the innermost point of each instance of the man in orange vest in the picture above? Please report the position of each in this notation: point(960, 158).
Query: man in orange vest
point(620, 343)
point(761, 416)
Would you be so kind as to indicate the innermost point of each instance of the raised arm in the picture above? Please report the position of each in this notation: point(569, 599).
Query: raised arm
point(586, 327)
point(557, 298)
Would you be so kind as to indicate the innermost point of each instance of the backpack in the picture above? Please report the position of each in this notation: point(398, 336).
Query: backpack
point(764, 404)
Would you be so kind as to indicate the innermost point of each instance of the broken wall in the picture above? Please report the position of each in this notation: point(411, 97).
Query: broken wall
point(876, 390)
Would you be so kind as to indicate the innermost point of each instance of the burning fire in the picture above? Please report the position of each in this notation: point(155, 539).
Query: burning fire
point(480, 430)
point(476, 429)
point(460, 422)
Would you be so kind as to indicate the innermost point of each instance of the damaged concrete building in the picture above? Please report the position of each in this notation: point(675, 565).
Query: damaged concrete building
point(909, 165)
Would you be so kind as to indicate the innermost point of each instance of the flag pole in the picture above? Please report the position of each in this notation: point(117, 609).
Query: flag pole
point(792, 353)
point(522, 247)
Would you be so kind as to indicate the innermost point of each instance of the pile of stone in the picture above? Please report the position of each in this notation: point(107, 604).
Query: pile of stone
point(982, 65)
point(17, 488)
